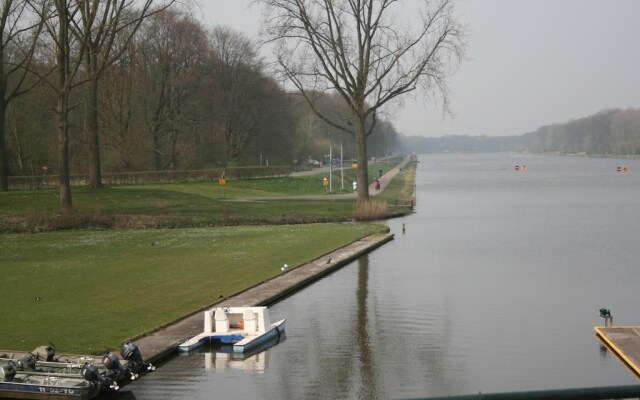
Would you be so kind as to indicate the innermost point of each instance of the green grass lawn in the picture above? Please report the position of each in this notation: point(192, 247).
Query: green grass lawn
point(192, 204)
point(86, 291)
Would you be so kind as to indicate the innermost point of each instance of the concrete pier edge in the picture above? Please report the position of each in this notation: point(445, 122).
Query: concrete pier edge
point(162, 342)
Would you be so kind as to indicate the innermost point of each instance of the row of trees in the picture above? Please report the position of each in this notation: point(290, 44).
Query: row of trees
point(613, 132)
point(607, 132)
point(155, 91)
point(141, 84)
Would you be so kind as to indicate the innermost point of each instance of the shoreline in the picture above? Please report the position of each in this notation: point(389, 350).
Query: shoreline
point(163, 342)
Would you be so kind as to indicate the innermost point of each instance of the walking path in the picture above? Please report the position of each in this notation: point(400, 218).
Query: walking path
point(384, 182)
point(163, 342)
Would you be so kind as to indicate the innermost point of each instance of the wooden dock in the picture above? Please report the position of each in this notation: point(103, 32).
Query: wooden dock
point(624, 341)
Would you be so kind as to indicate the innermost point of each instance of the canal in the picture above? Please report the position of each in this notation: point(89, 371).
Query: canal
point(493, 285)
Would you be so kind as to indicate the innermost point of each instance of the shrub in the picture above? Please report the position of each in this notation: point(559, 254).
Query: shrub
point(370, 210)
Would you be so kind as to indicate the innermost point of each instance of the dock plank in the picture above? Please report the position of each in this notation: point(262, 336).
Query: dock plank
point(624, 341)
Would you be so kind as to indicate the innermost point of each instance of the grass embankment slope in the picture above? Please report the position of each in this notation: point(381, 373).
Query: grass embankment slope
point(88, 290)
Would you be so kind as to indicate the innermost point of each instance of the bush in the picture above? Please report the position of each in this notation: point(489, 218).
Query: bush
point(371, 210)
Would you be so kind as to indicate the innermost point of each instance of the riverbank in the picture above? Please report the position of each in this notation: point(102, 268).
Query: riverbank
point(267, 201)
point(89, 290)
point(163, 342)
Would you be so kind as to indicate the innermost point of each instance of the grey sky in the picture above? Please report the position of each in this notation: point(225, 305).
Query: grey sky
point(529, 63)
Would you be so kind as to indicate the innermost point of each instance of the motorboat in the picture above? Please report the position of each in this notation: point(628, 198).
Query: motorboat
point(246, 328)
point(43, 374)
point(44, 385)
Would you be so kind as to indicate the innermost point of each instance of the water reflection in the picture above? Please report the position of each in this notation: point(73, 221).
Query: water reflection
point(222, 360)
point(368, 386)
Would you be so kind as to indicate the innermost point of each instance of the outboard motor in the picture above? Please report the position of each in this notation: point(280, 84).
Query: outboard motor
point(27, 363)
point(112, 362)
point(8, 371)
point(131, 353)
point(90, 373)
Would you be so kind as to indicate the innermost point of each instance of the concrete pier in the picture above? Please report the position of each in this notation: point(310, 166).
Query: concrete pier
point(164, 341)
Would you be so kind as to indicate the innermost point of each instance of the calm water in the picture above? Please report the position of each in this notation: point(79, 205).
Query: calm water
point(494, 286)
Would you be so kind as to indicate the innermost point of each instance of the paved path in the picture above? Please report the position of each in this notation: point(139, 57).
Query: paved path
point(384, 182)
point(163, 342)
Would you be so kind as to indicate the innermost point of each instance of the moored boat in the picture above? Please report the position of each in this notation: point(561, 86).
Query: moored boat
point(16, 384)
point(246, 328)
point(41, 374)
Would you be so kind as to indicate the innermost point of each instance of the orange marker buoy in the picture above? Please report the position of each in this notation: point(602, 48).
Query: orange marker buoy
point(619, 169)
point(517, 168)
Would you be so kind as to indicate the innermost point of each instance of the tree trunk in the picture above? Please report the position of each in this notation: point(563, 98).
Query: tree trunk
point(4, 157)
point(361, 150)
point(91, 120)
point(66, 203)
point(63, 57)
point(157, 153)
point(19, 152)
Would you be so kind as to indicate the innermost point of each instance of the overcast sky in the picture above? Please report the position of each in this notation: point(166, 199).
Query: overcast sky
point(529, 63)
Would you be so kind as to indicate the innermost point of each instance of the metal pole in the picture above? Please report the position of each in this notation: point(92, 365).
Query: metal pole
point(330, 170)
point(341, 169)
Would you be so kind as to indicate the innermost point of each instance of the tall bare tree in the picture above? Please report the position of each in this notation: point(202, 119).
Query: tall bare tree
point(107, 27)
point(68, 61)
point(171, 49)
point(236, 81)
point(365, 52)
point(84, 33)
point(20, 26)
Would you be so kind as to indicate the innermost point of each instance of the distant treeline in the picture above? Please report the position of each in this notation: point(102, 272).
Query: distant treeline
point(613, 132)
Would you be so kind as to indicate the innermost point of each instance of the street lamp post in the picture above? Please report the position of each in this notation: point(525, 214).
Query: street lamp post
point(330, 170)
point(341, 169)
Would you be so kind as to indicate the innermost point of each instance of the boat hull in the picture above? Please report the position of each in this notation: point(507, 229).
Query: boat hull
point(211, 338)
point(251, 342)
point(20, 390)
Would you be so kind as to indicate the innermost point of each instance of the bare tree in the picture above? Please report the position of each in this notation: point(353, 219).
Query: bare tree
point(85, 33)
point(171, 49)
point(107, 27)
point(68, 61)
point(118, 114)
point(362, 50)
point(234, 88)
point(20, 27)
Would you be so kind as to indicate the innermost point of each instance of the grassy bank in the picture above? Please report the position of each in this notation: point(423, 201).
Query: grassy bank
point(90, 290)
point(181, 205)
